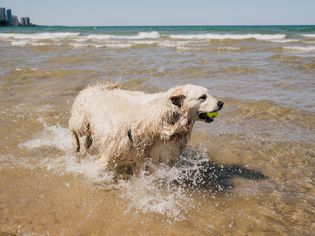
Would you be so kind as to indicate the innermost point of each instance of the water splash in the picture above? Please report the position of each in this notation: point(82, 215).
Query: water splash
point(156, 193)
point(54, 136)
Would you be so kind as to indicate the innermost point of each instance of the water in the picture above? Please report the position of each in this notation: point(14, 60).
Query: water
point(251, 171)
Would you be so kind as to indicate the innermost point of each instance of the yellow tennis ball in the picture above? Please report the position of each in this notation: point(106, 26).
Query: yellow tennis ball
point(212, 114)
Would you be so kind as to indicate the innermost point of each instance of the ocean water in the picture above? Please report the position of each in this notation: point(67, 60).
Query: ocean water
point(251, 171)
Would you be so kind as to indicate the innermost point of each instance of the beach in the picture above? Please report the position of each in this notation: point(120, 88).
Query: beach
point(261, 146)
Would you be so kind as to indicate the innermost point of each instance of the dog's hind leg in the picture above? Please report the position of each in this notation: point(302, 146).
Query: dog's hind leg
point(75, 141)
point(88, 142)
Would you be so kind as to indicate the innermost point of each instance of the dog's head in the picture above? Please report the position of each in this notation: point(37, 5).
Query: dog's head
point(195, 102)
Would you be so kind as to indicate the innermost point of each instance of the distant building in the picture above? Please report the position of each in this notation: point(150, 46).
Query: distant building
point(15, 21)
point(28, 21)
point(2, 14)
point(9, 17)
point(25, 21)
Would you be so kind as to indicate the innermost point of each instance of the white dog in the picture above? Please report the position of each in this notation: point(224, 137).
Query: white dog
point(133, 127)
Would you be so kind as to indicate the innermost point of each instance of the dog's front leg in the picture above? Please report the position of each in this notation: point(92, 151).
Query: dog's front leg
point(144, 162)
point(75, 141)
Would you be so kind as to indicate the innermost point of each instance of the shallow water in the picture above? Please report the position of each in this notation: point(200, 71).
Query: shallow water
point(249, 172)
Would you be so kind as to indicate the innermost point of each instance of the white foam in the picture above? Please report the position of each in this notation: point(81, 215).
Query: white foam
point(148, 35)
point(79, 45)
point(38, 36)
point(113, 44)
point(118, 45)
point(54, 136)
point(24, 43)
point(265, 37)
point(87, 167)
point(19, 43)
point(101, 45)
point(285, 40)
point(173, 44)
point(60, 137)
point(97, 37)
point(37, 39)
point(156, 193)
point(229, 48)
point(143, 42)
point(308, 35)
point(140, 35)
point(300, 48)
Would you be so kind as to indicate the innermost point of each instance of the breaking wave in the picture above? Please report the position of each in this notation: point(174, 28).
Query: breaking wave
point(229, 36)
point(68, 35)
point(308, 35)
point(140, 35)
point(194, 41)
point(39, 36)
point(27, 42)
point(300, 48)
point(285, 40)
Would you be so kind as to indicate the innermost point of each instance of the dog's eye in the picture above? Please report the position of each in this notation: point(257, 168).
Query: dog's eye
point(203, 97)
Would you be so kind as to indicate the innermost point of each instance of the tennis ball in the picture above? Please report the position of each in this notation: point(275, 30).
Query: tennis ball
point(212, 114)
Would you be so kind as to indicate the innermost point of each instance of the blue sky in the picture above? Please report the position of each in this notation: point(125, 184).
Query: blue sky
point(164, 12)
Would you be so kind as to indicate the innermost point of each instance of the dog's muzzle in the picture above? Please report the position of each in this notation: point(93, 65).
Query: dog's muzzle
point(204, 117)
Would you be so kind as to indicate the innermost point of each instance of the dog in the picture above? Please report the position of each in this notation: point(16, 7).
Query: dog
point(133, 127)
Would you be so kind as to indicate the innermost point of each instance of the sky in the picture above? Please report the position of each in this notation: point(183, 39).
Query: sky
point(164, 12)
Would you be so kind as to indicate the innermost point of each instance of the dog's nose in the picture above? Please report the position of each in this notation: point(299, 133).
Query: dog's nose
point(220, 104)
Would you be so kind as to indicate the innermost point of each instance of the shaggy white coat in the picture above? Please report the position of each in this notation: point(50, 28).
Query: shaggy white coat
point(130, 127)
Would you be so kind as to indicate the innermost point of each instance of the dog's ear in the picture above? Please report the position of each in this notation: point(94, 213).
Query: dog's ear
point(178, 100)
point(177, 97)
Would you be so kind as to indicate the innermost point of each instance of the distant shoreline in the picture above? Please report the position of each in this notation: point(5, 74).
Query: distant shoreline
point(276, 25)
point(20, 26)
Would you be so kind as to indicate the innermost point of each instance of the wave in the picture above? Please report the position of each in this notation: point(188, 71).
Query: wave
point(229, 36)
point(300, 48)
point(82, 45)
point(229, 48)
point(285, 40)
point(113, 44)
point(39, 36)
point(78, 41)
point(308, 35)
point(23, 43)
point(140, 35)
point(148, 35)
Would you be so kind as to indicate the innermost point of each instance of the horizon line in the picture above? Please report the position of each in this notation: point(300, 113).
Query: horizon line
point(183, 25)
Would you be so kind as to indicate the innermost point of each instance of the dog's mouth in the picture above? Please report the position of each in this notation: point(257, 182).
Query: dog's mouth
point(204, 117)
point(208, 117)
